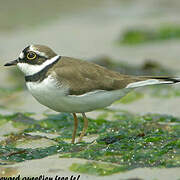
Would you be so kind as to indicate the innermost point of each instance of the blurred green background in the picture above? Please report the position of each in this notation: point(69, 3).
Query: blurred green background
point(137, 37)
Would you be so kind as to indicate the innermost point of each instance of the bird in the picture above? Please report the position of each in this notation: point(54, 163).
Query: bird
point(66, 84)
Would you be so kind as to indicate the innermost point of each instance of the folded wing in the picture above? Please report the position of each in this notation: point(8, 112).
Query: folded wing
point(81, 77)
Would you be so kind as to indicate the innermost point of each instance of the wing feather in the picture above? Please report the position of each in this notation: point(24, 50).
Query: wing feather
point(81, 77)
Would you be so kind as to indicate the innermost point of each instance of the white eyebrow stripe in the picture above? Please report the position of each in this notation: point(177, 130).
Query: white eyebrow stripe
point(30, 69)
point(31, 48)
point(21, 56)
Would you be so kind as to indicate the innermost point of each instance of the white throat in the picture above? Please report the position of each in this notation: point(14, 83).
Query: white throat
point(30, 69)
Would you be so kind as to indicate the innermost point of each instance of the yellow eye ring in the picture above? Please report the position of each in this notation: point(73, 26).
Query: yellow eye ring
point(31, 55)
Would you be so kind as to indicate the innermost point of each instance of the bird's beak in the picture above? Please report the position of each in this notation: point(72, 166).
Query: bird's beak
point(12, 63)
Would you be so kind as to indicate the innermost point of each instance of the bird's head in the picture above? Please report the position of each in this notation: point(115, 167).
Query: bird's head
point(33, 59)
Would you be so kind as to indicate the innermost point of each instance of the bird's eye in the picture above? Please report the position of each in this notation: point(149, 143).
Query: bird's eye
point(31, 55)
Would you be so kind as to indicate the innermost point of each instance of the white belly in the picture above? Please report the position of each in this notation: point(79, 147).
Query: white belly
point(49, 94)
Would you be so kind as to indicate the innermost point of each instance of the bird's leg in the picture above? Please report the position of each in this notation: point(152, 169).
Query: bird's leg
point(75, 127)
point(84, 128)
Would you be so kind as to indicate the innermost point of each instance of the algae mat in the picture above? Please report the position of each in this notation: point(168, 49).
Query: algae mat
point(123, 141)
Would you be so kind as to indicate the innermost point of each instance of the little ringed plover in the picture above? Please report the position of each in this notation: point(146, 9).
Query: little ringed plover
point(66, 84)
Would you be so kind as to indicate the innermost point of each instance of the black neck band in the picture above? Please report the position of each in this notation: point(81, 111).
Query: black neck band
point(41, 75)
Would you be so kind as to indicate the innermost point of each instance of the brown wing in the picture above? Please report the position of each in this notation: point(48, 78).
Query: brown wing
point(81, 76)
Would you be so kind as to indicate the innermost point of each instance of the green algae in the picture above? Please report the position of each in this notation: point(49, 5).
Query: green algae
point(131, 97)
point(95, 168)
point(136, 142)
point(11, 153)
point(58, 123)
point(128, 141)
point(3, 121)
point(141, 35)
point(19, 120)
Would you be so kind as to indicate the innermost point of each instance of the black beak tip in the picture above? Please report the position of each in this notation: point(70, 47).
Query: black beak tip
point(7, 64)
point(11, 63)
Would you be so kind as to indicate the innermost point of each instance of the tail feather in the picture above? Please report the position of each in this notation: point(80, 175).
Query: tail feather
point(145, 81)
point(171, 79)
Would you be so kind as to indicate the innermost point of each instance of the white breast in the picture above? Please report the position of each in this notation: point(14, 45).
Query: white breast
point(46, 91)
point(54, 96)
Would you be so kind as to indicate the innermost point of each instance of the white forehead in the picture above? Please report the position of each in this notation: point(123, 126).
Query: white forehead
point(34, 49)
point(21, 56)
